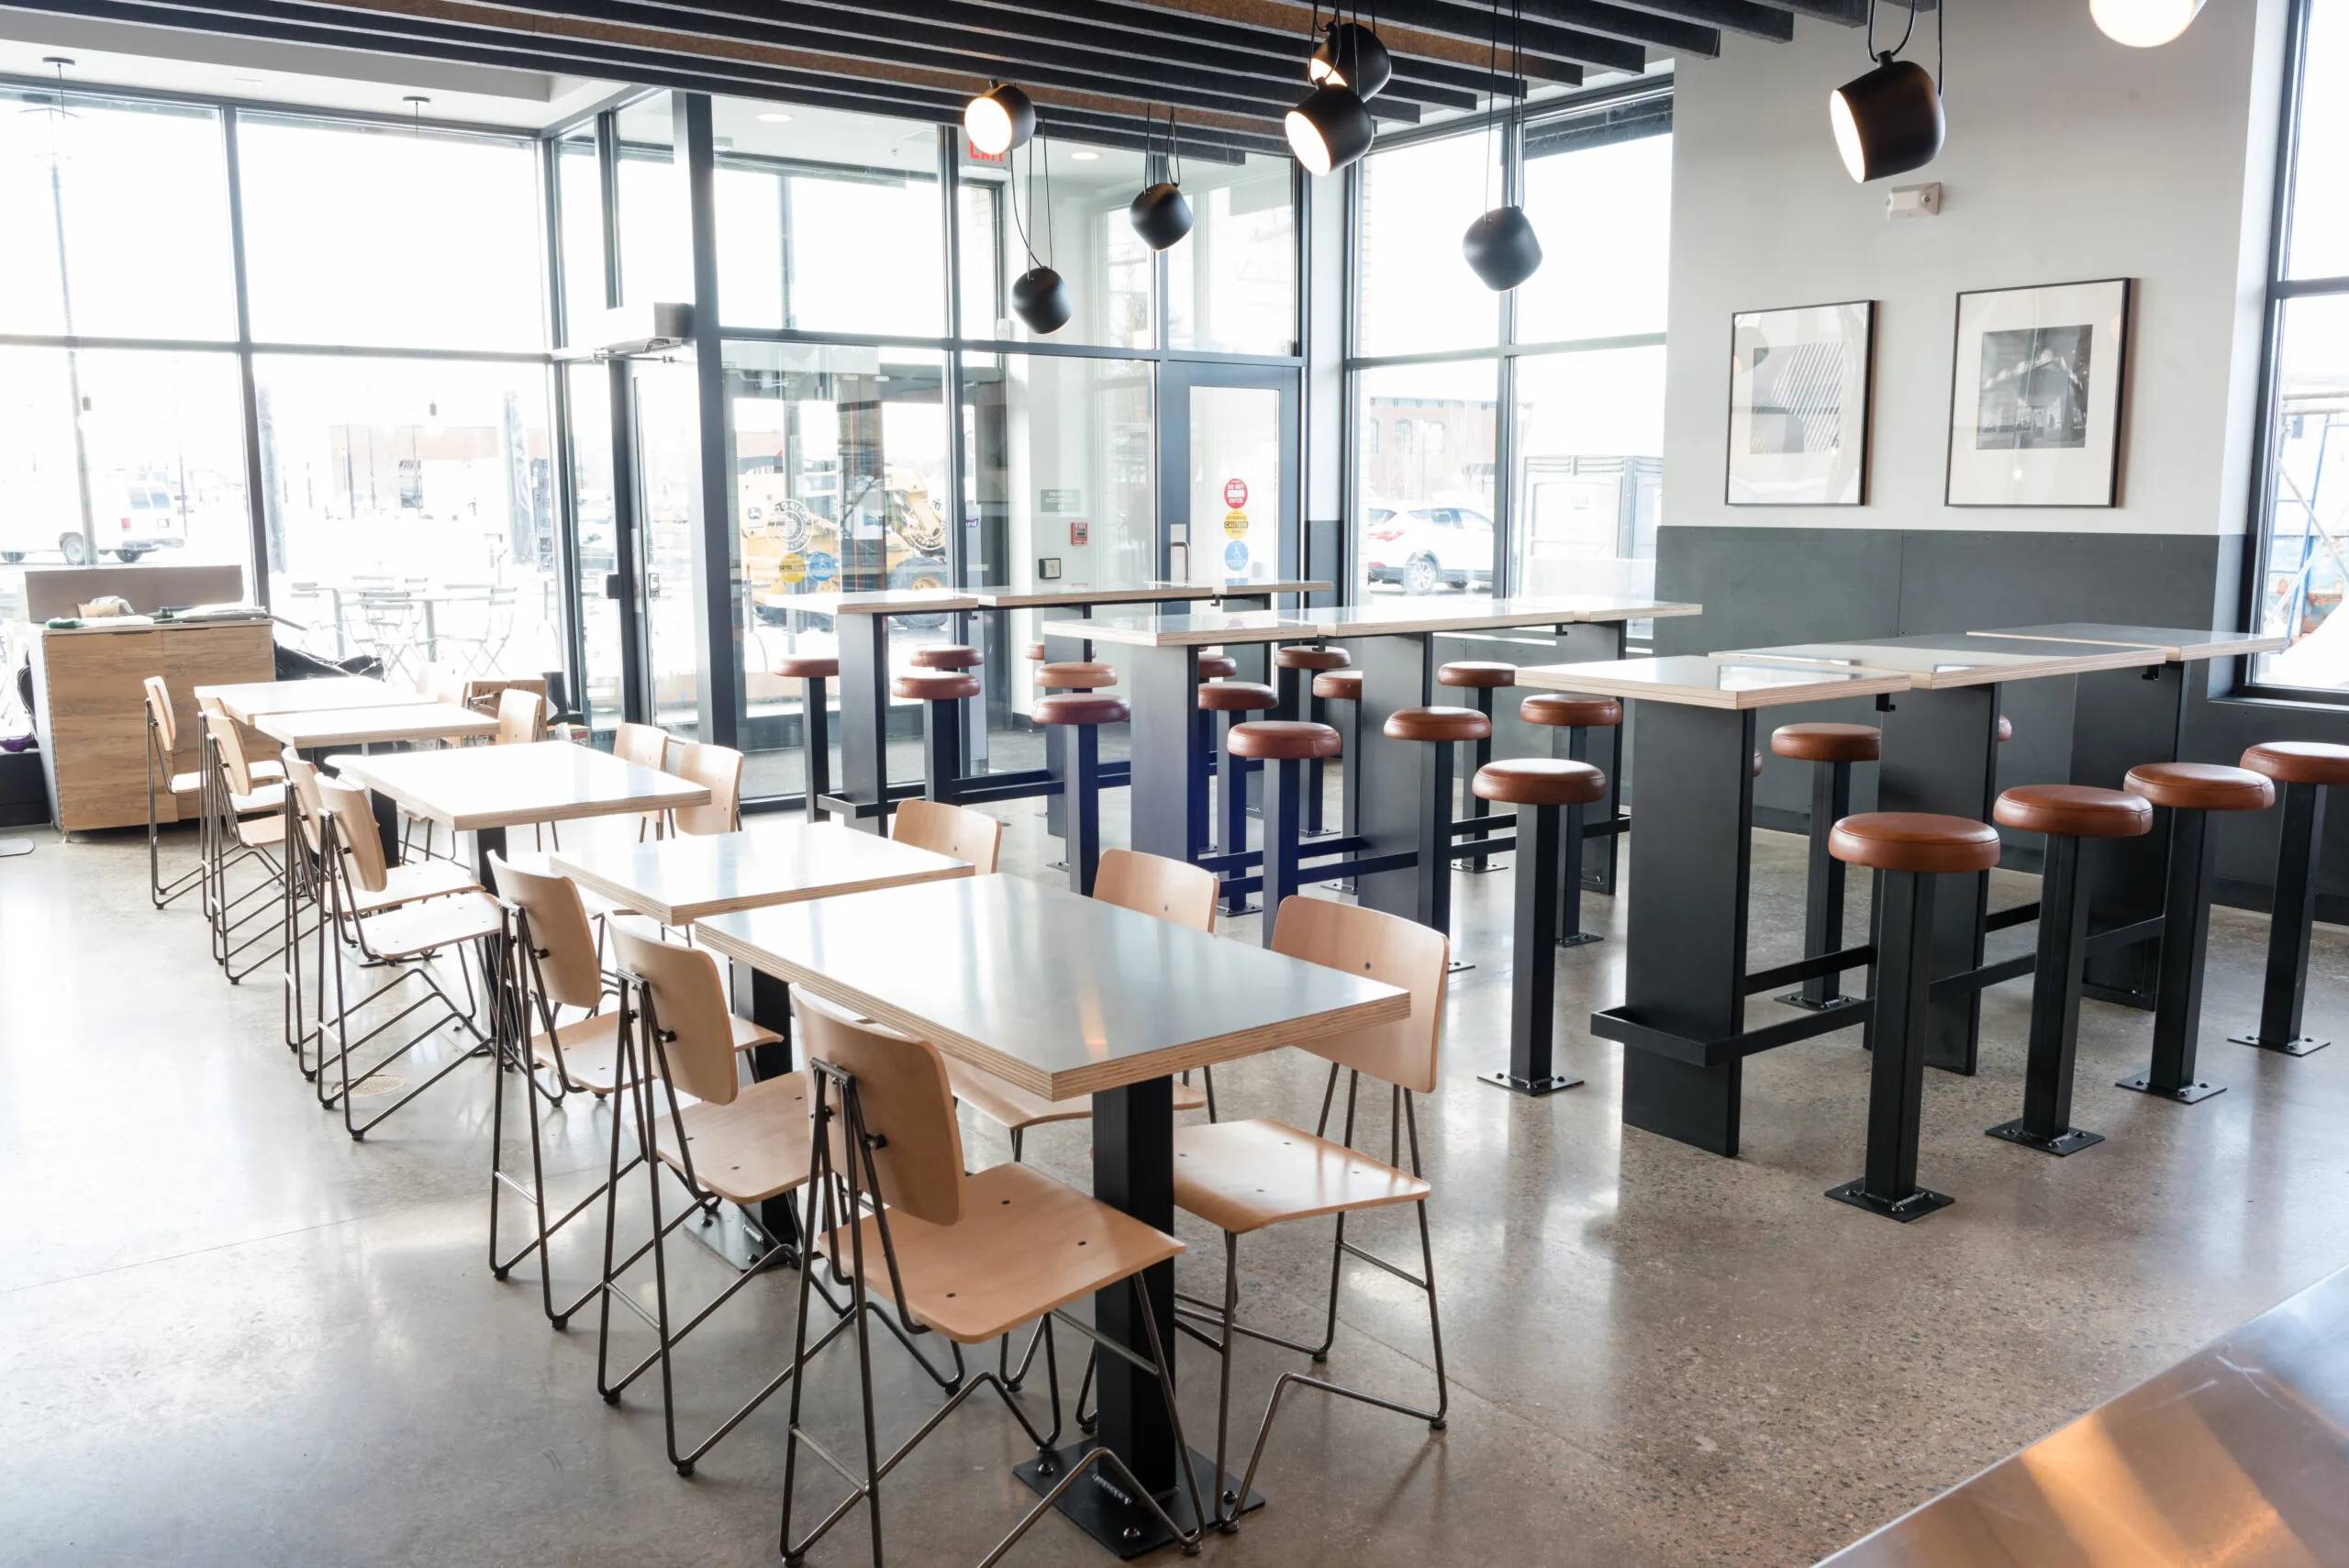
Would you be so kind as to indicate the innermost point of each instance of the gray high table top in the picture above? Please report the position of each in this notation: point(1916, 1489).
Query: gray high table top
point(2235, 1455)
point(1937, 663)
point(1062, 995)
point(1385, 617)
point(936, 601)
point(506, 786)
point(1719, 680)
point(2179, 644)
point(683, 878)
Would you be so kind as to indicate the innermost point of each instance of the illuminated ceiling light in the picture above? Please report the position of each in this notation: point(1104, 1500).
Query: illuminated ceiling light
point(775, 118)
point(1000, 120)
point(1889, 121)
point(2143, 24)
point(1084, 155)
point(1349, 55)
point(1329, 130)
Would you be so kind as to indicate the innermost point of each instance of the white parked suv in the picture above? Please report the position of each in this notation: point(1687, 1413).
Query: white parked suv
point(1426, 546)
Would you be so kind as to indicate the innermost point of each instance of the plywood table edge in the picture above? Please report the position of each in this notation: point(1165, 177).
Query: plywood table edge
point(2178, 653)
point(687, 914)
point(2129, 657)
point(350, 766)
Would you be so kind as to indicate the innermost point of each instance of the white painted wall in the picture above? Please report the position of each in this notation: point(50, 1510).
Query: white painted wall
point(2069, 157)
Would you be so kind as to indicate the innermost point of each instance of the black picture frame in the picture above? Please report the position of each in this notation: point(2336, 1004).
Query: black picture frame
point(1868, 405)
point(2119, 408)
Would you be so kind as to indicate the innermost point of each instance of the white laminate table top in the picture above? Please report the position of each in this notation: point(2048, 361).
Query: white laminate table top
point(682, 879)
point(309, 728)
point(473, 787)
point(1381, 617)
point(1062, 995)
point(1717, 682)
point(878, 602)
point(2178, 644)
point(1056, 596)
point(1939, 662)
point(246, 700)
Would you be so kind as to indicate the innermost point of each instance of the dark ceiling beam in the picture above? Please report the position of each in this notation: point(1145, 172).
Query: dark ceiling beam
point(1842, 12)
point(1668, 32)
point(1552, 54)
point(1542, 40)
point(1750, 17)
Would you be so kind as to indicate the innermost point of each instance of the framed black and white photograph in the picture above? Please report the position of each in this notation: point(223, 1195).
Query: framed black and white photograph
point(1798, 406)
point(2035, 395)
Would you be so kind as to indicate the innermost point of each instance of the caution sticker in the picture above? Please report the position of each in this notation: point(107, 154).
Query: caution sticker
point(792, 568)
point(1235, 524)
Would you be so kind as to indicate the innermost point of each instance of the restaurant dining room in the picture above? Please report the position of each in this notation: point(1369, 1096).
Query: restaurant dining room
point(971, 781)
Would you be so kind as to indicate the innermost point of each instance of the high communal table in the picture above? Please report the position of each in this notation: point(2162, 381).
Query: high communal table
point(861, 622)
point(1393, 644)
point(1067, 996)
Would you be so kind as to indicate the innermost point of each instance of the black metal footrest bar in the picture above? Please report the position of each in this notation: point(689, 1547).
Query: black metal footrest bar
point(2024, 963)
point(1615, 1024)
point(2020, 915)
point(1760, 980)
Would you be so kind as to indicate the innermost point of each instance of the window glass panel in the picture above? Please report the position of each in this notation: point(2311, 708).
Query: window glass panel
point(1231, 283)
point(1426, 478)
point(377, 235)
point(2319, 219)
point(1418, 295)
point(1588, 454)
point(1603, 210)
point(135, 195)
point(749, 245)
point(655, 225)
point(410, 510)
point(590, 409)
point(980, 267)
point(1077, 224)
point(581, 198)
point(2305, 553)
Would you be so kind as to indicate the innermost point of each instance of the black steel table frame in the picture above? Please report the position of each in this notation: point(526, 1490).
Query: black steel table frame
point(2119, 718)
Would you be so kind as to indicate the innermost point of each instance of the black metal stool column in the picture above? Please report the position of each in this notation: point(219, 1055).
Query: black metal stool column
point(2191, 791)
point(2305, 769)
point(1907, 850)
point(1230, 700)
point(2066, 814)
point(1830, 749)
point(1484, 677)
point(1212, 667)
point(1542, 789)
point(814, 722)
point(941, 725)
point(1297, 675)
point(1441, 729)
point(1570, 719)
point(1337, 686)
point(1084, 716)
point(1285, 746)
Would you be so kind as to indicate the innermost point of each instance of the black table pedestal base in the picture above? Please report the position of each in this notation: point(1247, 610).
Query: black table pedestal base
point(1098, 1506)
point(2303, 1046)
point(1580, 939)
point(1813, 1005)
point(2188, 1094)
point(1536, 1087)
point(1917, 1204)
point(2071, 1140)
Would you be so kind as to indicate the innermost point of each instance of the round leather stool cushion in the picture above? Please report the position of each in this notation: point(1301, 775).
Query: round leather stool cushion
point(1339, 686)
point(1283, 739)
point(934, 685)
point(950, 656)
point(1437, 724)
point(1036, 653)
point(1075, 676)
point(1475, 673)
point(2074, 811)
point(1914, 840)
point(1560, 711)
point(1539, 781)
point(2006, 729)
point(1218, 666)
point(1757, 764)
point(2200, 786)
point(1826, 743)
point(1237, 696)
point(2299, 762)
point(806, 667)
point(1299, 656)
point(1080, 710)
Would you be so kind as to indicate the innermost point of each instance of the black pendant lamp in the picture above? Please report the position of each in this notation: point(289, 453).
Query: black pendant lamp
point(1000, 120)
point(1332, 128)
point(1501, 246)
point(1162, 214)
point(1351, 56)
point(1040, 295)
point(1889, 121)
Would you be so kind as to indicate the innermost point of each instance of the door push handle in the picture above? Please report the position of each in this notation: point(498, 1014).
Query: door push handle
point(611, 584)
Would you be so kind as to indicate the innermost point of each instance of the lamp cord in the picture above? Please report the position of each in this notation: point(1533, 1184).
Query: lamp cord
point(1940, 42)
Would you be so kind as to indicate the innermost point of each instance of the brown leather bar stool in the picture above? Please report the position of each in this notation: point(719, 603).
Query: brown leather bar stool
point(2065, 814)
point(2191, 791)
point(1572, 718)
point(2304, 769)
point(1831, 749)
point(1288, 744)
point(1301, 666)
point(1483, 678)
point(1442, 728)
point(1083, 714)
point(1228, 703)
point(1338, 686)
point(941, 729)
point(946, 656)
point(814, 722)
point(1036, 654)
point(1541, 788)
point(1907, 850)
point(1075, 676)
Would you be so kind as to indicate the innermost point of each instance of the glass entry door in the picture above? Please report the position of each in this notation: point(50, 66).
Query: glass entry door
point(1228, 474)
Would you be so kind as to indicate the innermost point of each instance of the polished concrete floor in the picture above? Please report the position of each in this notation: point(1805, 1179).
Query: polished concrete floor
point(228, 1334)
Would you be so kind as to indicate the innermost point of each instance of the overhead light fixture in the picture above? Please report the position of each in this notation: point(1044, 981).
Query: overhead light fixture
point(775, 118)
point(1162, 213)
point(1889, 121)
point(1349, 55)
point(1000, 120)
point(1084, 155)
point(2143, 24)
point(1500, 245)
point(1039, 296)
point(1329, 130)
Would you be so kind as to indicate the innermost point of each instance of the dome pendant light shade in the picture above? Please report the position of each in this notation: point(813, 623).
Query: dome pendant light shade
point(1000, 120)
point(1502, 248)
point(1329, 130)
point(1349, 55)
point(1161, 215)
point(1888, 121)
point(1040, 298)
point(2143, 24)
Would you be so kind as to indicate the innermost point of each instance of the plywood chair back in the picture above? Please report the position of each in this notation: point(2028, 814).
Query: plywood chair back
point(303, 780)
point(1154, 885)
point(354, 830)
point(717, 769)
point(686, 1000)
point(646, 745)
point(955, 832)
point(159, 709)
point(521, 717)
point(907, 1108)
point(234, 766)
point(1380, 947)
point(562, 956)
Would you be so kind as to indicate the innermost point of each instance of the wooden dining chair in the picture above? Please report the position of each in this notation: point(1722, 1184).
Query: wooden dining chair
point(968, 1257)
point(521, 717)
point(955, 832)
point(246, 825)
point(646, 745)
point(717, 769)
point(164, 779)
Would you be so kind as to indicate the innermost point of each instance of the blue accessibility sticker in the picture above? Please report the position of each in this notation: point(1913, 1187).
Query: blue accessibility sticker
point(1235, 556)
point(823, 567)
